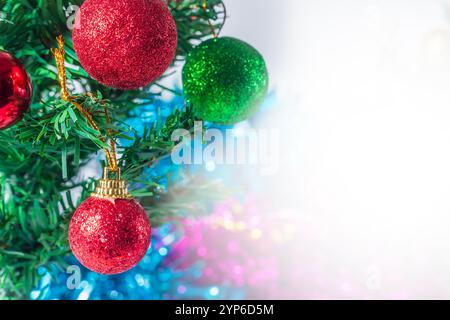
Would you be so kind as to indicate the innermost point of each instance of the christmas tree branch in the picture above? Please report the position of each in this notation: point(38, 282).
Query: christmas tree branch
point(41, 157)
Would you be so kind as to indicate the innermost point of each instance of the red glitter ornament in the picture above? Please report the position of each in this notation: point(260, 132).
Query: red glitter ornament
point(15, 90)
point(109, 236)
point(125, 44)
point(110, 232)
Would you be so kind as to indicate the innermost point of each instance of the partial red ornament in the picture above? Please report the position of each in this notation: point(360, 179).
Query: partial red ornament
point(125, 44)
point(15, 90)
point(110, 232)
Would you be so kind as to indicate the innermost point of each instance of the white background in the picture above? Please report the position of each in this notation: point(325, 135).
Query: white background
point(364, 111)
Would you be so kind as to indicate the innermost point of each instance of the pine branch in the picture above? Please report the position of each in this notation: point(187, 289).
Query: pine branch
point(42, 155)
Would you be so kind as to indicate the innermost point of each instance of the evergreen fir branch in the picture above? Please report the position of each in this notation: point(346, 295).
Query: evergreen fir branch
point(154, 144)
point(42, 155)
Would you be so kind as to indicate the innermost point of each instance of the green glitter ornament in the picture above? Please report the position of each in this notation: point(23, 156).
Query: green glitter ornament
point(225, 80)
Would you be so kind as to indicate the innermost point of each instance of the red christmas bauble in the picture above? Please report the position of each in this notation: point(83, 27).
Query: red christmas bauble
point(15, 90)
point(125, 44)
point(109, 236)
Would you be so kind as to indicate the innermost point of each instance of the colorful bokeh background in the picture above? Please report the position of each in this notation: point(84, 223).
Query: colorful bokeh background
point(231, 253)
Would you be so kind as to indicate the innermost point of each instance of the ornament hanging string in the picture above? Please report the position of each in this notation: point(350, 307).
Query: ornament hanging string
point(213, 30)
point(59, 54)
point(211, 26)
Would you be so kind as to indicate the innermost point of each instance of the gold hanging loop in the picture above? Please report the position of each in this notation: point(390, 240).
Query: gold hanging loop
point(59, 55)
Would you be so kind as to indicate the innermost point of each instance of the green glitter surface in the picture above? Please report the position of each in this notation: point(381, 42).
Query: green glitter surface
point(225, 80)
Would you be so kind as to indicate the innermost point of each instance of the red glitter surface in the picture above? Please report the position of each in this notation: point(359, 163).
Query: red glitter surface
point(125, 44)
point(15, 90)
point(109, 236)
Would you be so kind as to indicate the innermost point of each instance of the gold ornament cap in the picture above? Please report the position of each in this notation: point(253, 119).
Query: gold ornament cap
point(111, 188)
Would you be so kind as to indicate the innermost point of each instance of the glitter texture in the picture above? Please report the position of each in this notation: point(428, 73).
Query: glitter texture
point(109, 236)
point(15, 90)
point(225, 80)
point(125, 44)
